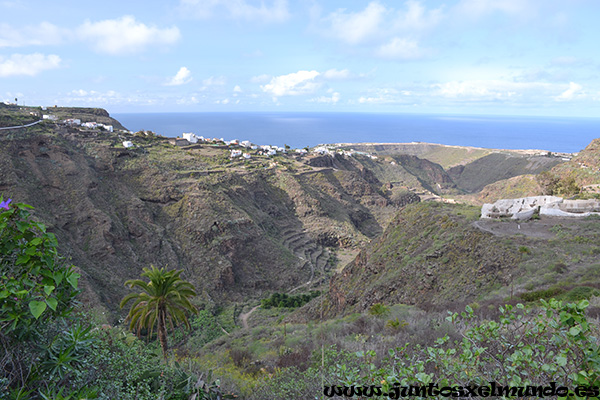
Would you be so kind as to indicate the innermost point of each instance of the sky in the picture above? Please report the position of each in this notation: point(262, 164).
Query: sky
point(494, 57)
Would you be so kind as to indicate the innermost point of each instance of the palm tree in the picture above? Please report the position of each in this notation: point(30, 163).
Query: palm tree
point(163, 300)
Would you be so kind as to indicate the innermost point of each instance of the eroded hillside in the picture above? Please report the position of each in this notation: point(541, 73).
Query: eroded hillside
point(238, 229)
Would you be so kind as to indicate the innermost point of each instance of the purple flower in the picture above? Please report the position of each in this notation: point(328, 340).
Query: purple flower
point(5, 204)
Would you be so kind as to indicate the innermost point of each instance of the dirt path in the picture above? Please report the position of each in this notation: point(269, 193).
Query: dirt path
point(244, 317)
point(540, 229)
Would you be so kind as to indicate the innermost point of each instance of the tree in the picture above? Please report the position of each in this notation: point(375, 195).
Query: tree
point(37, 295)
point(165, 299)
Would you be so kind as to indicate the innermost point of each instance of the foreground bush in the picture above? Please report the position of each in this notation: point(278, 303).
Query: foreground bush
point(525, 346)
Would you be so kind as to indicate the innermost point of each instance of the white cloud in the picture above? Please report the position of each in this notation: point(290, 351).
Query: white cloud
point(42, 34)
point(125, 35)
point(356, 27)
point(571, 93)
point(335, 97)
point(379, 23)
point(386, 96)
point(214, 81)
point(478, 90)
point(417, 18)
point(334, 74)
point(27, 64)
point(480, 8)
point(297, 83)
point(400, 48)
point(182, 76)
point(264, 78)
point(237, 89)
point(188, 100)
point(95, 98)
point(276, 12)
point(392, 33)
point(569, 61)
point(79, 92)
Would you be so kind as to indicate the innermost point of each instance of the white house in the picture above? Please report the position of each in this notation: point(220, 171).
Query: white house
point(90, 125)
point(271, 152)
point(301, 151)
point(192, 138)
point(49, 117)
point(236, 153)
point(72, 121)
point(246, 143)
point(321, 150)
point(108, 127)
point(127, 144)
point(247, 156)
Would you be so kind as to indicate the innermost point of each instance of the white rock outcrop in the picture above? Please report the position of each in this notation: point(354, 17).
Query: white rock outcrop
point(572, 208)
point(550, 206)
point(522, 208)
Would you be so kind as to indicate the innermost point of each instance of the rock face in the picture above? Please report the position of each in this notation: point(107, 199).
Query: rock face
point(552, 206)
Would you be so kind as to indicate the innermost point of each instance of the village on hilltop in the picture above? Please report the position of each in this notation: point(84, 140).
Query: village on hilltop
point(238, 148)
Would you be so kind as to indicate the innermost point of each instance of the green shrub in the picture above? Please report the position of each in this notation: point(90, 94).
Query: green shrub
point(541, 294)
point(283, 300)
point(379, 310)
point(37, 292)
point(580, 293)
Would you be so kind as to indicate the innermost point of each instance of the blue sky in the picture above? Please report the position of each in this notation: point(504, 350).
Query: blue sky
point(515, 57)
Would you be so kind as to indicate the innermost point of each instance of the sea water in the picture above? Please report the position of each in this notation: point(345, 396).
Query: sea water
point(300, 129)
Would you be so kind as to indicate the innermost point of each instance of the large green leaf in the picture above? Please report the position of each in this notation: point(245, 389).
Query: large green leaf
point(48, 289)
point(52, 303)
point(72, 279)
point(37, 308)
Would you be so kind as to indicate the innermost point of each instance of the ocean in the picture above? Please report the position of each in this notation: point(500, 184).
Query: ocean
point(300, 129)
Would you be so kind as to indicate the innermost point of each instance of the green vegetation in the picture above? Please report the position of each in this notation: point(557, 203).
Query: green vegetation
point(379, 310)
point(164, 300)
point(553, 184)
point(516, 346)
point(50, 351)
point(37, 292)
point(284, 300)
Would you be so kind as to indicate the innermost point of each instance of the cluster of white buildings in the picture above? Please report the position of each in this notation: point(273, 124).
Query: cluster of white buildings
point(96, 125)
point(77, 122)
point(267, 150)
point(332, 150)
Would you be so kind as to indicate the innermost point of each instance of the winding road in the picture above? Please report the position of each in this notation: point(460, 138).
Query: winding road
point(20, 126)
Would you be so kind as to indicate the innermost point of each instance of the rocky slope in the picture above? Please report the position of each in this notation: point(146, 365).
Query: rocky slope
point(237, 229)
point(429, 254)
